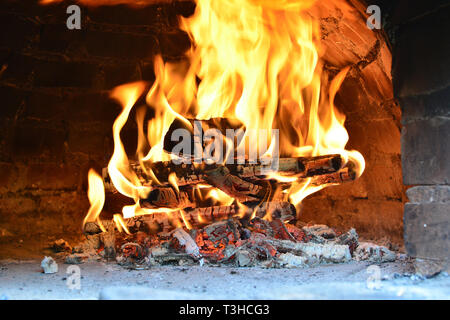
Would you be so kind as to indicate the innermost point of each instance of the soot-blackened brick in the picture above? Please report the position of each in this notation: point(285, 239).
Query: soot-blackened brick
point(423, 106)
point(421, 57)
point(57, 38)
point(12, 98)
point(91, 107)
point(17, 32)
point(45, 106)
point(120, 45)
point(117, 74)
point(35, 140)
point(427, 230)
point(174, 45)
point(126, 15)
point(64, 73)
point(49, 176)
point(426, 151)
point(19, 68)
point(147, 72)
point(89, 139)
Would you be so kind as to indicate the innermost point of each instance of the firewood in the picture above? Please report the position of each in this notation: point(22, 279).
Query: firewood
point(197, 217)
point(242, 182)
point(201, 216)
point(188, 174)
point(346, 174)
point(166, 197)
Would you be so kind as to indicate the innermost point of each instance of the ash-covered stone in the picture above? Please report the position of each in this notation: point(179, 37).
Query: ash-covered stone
point(290, 260)
point(245, 258)
point(49, 265)
point(429, 268)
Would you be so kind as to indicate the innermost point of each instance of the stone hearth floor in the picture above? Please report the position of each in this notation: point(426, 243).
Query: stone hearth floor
point(25, 280)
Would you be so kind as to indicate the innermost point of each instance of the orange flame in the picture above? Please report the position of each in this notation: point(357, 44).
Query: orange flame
point(96, 196)
point(259, 63)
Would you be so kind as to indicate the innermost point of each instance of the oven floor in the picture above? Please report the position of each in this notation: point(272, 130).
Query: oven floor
point(25, 280)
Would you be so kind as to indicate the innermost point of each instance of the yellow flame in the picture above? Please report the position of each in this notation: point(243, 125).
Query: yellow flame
point(120, 224)
point(221, 197)
point(173, 181)
point(256, 62)
point(186, 222)
point(96, 196)
point(124, 179)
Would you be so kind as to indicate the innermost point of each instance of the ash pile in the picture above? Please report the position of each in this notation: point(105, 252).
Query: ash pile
point(152, 240)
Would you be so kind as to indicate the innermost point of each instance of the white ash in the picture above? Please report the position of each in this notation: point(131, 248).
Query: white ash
point(373, 253)
point(289, 260)
point(245, 258)
point(315, 252)
point(189, 244)
point(49, 265)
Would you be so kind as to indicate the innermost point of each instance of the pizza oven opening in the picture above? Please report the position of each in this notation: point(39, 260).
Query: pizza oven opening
point(211, 133)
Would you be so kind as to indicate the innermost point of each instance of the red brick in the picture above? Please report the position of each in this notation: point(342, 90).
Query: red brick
point(53, 176)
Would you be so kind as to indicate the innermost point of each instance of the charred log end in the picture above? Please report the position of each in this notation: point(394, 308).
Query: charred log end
point(301, 165)
point(350, 174)
point(160, 197)
point(323, 165)
point(336, 162)
point(91, 228)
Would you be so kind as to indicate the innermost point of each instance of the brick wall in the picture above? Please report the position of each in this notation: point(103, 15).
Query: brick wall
point(421, 75)
point(56, 116)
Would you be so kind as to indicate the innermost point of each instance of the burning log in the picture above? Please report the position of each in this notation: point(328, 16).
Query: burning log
point(197, 217)
point(188, 174)
point(346, 174)
point(166, 197)
point(245, 183)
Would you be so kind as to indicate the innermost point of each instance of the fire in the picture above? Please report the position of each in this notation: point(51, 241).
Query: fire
point(96, 196)
point(259, 64)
